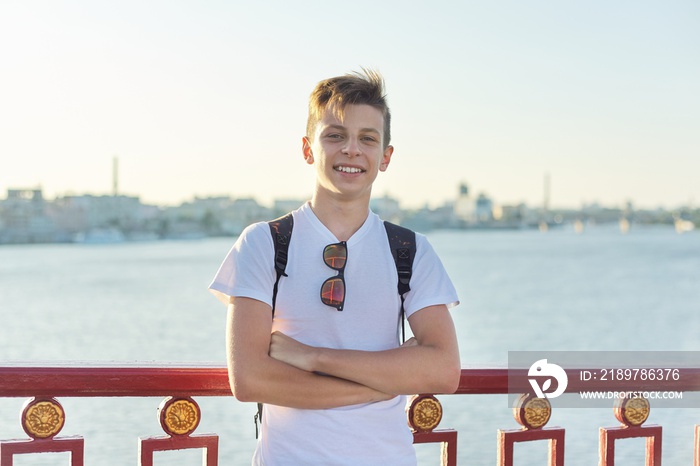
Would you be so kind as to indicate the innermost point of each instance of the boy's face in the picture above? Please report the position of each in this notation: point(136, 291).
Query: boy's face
point(348, 154)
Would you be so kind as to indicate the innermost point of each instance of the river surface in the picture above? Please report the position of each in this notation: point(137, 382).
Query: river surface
point(519, 290)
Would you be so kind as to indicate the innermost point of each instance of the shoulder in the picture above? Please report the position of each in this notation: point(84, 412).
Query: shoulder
point(256, 235)
point(256, 229)
point(423, 246)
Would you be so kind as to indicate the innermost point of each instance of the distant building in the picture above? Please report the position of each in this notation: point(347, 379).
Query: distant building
point(471, 211)
point(246, 211)
point(483, 210)
point(87, 212)
point(24, 219)
point(465, 206)
point(282, 206)
point(387, 208)
point(480, 211)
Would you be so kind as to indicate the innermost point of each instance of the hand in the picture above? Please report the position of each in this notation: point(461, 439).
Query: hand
point(288, 350)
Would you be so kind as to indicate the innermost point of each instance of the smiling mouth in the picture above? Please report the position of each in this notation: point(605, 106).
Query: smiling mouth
point(344, 169)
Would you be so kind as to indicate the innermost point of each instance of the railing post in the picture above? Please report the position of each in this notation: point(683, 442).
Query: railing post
point(424, 414)
point(533, 414)
point(632, 413)
point(179, 417)
point(696, 456)
point(42, 419)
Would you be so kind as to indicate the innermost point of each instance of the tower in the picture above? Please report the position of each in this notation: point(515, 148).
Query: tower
point(547, 189)
point(115, 176)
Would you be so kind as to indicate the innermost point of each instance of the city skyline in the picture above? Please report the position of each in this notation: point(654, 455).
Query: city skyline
point(545, 202)
point(210, 99)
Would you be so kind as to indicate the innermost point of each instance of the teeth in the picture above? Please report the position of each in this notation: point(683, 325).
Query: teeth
point(349, 169)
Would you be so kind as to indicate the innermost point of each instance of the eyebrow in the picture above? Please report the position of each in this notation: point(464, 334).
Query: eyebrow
point(362, 130)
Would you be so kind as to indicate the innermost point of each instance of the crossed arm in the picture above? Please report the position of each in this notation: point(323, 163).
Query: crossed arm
point(276, 369)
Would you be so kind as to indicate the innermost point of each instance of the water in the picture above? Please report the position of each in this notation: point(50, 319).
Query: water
point(520, 290)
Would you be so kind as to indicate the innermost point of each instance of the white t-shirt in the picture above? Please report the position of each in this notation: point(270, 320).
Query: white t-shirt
point(366, 434)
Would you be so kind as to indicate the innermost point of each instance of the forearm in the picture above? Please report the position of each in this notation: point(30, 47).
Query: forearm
point(405, 370)
point(275, 382)
point(255, 376)
point(429, 364)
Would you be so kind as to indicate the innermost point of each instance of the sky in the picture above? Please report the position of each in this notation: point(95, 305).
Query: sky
point(209, 98)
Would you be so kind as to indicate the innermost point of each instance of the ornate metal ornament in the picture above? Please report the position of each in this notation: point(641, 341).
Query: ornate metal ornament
point(43, 418)
point(424, 413)
point(179, 416)
point(632, 411)
point(532, 412)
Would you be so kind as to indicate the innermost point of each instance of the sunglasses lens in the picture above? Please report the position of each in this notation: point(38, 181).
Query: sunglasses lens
point(335, 256)
point(333, 292)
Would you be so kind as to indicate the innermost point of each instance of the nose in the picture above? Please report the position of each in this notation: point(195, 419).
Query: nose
point(352, 147)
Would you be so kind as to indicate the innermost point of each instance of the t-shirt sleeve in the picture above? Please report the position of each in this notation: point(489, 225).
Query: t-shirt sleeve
point(248, 269)
point(430, 284)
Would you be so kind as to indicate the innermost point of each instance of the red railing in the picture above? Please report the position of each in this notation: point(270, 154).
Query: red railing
point(179, 414)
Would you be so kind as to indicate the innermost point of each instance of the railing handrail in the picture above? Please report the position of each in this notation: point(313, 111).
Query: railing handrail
point(114, 379)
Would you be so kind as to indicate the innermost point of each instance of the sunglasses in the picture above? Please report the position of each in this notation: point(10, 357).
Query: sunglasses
point(333, 289)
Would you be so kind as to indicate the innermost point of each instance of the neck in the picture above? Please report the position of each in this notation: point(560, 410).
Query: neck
point(343, 218)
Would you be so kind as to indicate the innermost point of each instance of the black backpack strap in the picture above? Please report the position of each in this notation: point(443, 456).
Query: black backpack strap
point(281, 231)
point(402, 243)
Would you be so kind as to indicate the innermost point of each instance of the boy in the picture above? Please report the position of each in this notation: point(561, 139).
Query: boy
point(329, 366)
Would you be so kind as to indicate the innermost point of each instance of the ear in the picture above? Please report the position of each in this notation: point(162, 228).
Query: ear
point(386, 158)
point(306, 150)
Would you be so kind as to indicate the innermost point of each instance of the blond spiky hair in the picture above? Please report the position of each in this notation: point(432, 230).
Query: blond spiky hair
point(336, 93)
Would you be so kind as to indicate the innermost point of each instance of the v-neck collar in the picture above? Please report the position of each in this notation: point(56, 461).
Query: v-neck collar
point(309, 214)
